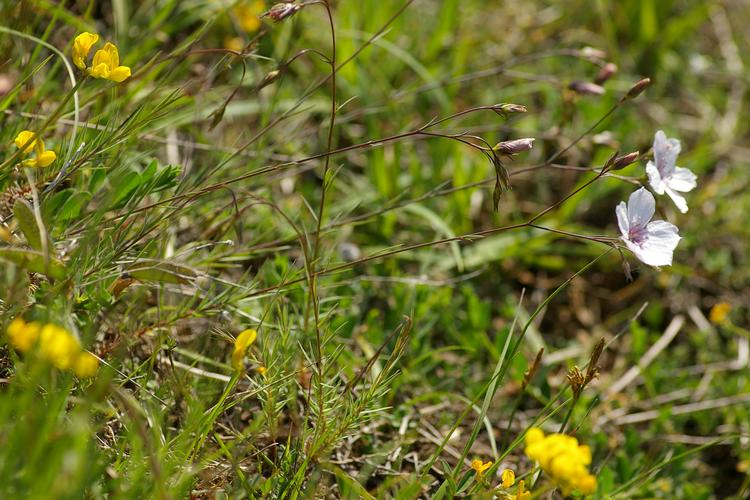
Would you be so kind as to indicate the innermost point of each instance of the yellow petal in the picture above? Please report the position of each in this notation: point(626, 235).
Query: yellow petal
point(243, 342)
point(113, 56)
point(534, 435)
point(99, 70)
point(45, 158)
point(82, 46)
point(106, 59)
point(508, 477)
point(246, 337)
point(26, 140)
point(120, 74)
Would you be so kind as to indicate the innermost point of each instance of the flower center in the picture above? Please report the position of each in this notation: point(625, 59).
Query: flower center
point(637, 235)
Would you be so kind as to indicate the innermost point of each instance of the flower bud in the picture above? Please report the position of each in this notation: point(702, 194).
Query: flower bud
point(514, 146)
point(623, 161)
point(607, 72)
point(529, 374)
point(271, 77)
point(636, 89)
point(509, 108)
point(592, 53)
point(586, 88)
point(281, 11)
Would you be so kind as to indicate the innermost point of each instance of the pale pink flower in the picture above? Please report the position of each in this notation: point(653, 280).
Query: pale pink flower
point(653, 242)
point(664, 176)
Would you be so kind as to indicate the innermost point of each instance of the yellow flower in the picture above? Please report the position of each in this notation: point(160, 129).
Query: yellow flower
point(480, 467)
point(563, 459)
point(58, 346)
point(106, 64)
point(27, 141)
point(233, 43)
point(586, 484)
point(248, 14)
point(508, 477)
point(241, 345)
point(719, 313)
point(85, 365)
point(262, 370)
point(534, 435)
point(22, 335)
point(81, 48)
point(522, 494)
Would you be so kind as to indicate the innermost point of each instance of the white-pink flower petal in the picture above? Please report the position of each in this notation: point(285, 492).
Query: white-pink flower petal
point(653, 243)
point(664, 176)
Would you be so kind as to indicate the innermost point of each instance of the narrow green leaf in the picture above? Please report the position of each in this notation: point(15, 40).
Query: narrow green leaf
point(24, 214)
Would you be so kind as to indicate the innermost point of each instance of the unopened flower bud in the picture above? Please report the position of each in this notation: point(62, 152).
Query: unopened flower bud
point(592, 53)
point(636, 89)
point(607, 72)
point(529, 374)
point(510, 108)
point(514, 146)
point(623, 161)
point(281, 11)
point(586, 88)
point(271, 77)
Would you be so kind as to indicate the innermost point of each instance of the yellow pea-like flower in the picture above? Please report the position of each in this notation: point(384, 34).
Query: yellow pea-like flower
point(522, 493)
point(248, 14)
point(58, 346)
point(508, 478)
point(241, 345)
point(106, 64)
point(563, 458)
point(22, 335)
point(719, 313)
point(85, 365)
point(81, 48)
point(28, 142)
point(480, 466)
